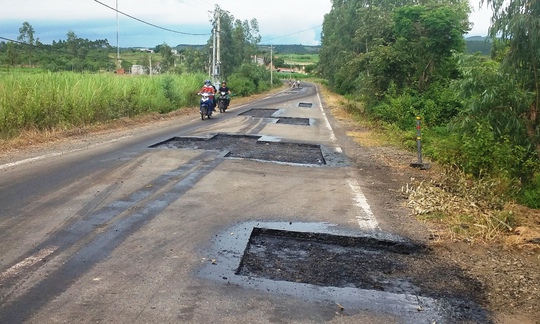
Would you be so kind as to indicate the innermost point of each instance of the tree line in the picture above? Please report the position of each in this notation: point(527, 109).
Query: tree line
point(239, 39)
point(72, 54)
point(406, 58)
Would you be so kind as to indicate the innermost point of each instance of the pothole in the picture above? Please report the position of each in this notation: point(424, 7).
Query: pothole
point(329, 260)
point(373, 271)
point(269, 113)
point(259, 112)
point(305, 105)
point(293, 121)
point(251, 147)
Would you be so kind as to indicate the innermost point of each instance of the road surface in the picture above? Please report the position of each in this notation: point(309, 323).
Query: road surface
point(155, 226)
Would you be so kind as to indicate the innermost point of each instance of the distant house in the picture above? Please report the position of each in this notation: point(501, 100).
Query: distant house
point(258, 60)
point(285, 70)
point(146, 50)
point(137, 69)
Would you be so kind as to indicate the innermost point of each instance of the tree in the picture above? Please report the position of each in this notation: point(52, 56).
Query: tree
point(238, 41)
point(338, 31)
point(517, 23)
point(26, 35)
point(12, 56)
point(426, 38)
point(195, 60)
point(72, 43)
point(373, 44)
point(167, 62)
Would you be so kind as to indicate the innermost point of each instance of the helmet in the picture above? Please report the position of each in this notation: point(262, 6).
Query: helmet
point(206, 81)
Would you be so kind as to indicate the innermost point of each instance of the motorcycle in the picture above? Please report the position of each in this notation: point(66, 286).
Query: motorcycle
point(205, 105)
point(222, 101)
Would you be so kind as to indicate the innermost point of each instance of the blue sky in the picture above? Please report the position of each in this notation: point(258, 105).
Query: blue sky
point(280, 21)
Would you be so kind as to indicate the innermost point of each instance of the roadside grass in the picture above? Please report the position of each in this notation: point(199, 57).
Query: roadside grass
point(458, 207)
point(34, 137)
point(46, 102)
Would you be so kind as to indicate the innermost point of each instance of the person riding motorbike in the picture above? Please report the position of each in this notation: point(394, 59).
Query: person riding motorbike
point(211, 90)
point(226, 90)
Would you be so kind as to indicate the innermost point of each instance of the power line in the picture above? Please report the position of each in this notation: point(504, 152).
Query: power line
point(37, 46)
point(150, 24)
point(194, 4)
point(298, 32)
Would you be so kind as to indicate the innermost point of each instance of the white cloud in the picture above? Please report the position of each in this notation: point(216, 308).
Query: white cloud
point(278, 19)
point(480, 18)
point(274, 17)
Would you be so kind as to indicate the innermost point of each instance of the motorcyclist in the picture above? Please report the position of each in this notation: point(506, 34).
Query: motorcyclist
point(210, 90)
point(225, 89)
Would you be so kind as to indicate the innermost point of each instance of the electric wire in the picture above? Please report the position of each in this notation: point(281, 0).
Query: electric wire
point(37, 46)
point(298, 32)
point(194, 4)
point(150, 24)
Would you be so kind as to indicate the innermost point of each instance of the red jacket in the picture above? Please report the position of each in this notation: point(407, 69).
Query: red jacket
point(208, 89)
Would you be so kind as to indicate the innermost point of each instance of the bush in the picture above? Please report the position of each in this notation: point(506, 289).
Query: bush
point(530, 194)
point(249, 79)
point(241, 86)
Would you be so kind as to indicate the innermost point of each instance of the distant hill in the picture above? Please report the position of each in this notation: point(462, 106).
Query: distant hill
point(478, 44)
point(476, 38)
point(181, 47)
point(474, 44)
point(281, 49)
point(292, 49)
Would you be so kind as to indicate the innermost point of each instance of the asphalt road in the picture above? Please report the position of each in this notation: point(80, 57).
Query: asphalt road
point(118, 232)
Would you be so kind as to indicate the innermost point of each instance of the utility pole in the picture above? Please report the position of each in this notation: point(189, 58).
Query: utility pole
point(117, 38)
point(213, 71)
point(271, 66)
point(217, 71)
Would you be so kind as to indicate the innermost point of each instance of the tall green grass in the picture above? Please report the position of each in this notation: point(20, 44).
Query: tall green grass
point(49, 101)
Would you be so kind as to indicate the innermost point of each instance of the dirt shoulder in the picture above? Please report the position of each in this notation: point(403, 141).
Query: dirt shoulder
point(507, 267)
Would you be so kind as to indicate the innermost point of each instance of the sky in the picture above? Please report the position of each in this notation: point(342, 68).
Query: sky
point(280, 21)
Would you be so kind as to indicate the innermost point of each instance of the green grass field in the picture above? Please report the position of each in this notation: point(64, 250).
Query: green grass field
point(48, 101)
point(300, 59)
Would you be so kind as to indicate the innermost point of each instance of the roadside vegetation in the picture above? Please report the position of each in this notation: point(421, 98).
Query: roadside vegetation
point(395, 61)
point(60, 101)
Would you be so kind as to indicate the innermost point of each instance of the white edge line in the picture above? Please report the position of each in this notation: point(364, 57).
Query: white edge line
point(368, 220)
point(326, 122)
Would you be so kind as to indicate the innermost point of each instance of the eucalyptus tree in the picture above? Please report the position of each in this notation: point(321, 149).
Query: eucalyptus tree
point(195, 60)
point(26, 35)
point(167, 62)
point(337, 45)
point(72, 43)
point(371, 44)
point(517, 24)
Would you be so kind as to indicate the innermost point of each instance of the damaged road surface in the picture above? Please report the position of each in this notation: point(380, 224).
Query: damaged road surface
point(254, 216)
